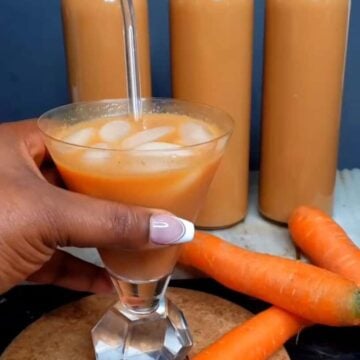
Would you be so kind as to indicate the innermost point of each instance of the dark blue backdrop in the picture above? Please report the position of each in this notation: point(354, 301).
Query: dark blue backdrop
point(33, 74)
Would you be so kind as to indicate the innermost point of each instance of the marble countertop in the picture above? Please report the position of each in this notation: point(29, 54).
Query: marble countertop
point(258, 234)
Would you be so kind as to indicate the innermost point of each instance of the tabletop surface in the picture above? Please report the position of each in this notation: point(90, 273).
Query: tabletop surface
point(25, 304)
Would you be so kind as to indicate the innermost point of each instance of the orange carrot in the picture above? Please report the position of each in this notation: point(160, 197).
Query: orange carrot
point(256, 339)
point(253, 340)
point(325, 242)
point(310, 292)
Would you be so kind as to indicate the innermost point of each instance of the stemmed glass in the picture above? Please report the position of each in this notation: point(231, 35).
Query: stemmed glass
point(143, 324)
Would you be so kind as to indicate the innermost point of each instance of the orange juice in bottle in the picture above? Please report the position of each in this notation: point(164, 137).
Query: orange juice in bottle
point(211, 48)
point(305, 48)
point(93, 32)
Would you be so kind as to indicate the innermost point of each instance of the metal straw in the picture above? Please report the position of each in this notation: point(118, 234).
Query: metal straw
point(132, 62)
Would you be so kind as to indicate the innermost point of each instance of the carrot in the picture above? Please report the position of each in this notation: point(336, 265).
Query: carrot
point(256, 339)
point(310, 292)
point(325, 242)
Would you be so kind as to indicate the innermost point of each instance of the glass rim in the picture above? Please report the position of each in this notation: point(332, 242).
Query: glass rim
point(224, 114)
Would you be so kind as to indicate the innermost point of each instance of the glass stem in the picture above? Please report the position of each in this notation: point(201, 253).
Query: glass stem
point(141, 296)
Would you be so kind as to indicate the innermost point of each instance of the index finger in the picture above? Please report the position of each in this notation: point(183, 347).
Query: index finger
point(30, 135)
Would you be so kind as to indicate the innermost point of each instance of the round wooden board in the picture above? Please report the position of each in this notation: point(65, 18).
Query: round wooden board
point(64, 334)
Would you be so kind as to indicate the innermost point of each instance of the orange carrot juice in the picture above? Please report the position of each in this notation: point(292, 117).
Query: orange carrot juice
point(165, 161)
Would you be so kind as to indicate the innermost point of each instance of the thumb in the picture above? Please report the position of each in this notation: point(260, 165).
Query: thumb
point(90, 222)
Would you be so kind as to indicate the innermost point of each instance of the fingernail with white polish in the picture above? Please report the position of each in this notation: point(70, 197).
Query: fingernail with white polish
point(167, 230)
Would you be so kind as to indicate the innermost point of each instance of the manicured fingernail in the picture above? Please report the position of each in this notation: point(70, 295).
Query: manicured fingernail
point(167, 230)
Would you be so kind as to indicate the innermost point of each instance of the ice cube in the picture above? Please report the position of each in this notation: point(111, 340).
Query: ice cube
point(114, 130)
point(163, 149)
point(146, 136)
point(96, 154)
point(81, 137)
point(193, 133)
point(155, 157)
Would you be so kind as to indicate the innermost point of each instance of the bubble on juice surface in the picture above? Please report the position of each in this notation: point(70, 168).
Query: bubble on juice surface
point(96, 154)
point(114, 130)
point(163, 149)
point(81, 137)
point(194, 133)
point(158, 145)
point(147, 136)
point(152, 164)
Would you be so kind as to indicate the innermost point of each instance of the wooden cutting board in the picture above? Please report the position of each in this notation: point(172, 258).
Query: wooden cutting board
point(64, 334)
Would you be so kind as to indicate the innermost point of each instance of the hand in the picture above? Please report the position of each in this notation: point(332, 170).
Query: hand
point(37, 218)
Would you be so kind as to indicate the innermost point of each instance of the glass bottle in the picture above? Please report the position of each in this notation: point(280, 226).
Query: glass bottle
point(94, 43)
point(211, 48)
point(305, 48)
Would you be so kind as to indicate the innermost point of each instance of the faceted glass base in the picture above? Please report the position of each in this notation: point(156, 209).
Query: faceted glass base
point(125, 335)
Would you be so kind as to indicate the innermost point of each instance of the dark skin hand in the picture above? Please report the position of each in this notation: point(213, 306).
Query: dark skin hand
point(37, 218)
